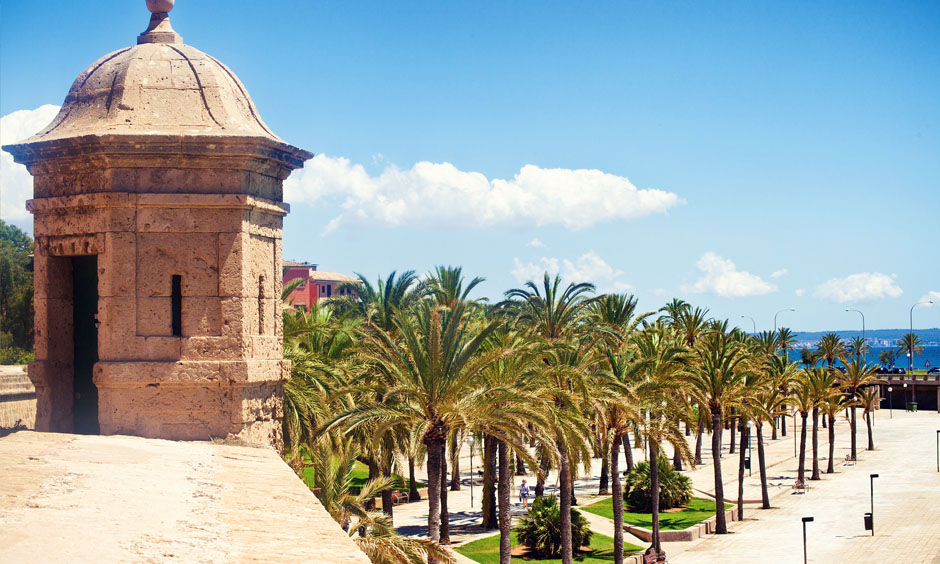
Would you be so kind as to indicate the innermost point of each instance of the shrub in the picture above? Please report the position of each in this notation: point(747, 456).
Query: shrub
point(540, 529)
point(675, 490)
point(15, 355)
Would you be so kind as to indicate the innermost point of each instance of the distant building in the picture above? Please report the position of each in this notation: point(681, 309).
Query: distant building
point(317, 285)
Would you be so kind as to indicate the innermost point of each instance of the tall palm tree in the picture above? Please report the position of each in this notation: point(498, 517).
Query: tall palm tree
point(432, 375)
point(556, 316)
point(832, 406)
point(445, 285)
point(804, 400)
point(857, 347)
point(786, 339)
point(857, 376)
point(660, 365)
point(715, 383)
point(910, 344)
point(772, 400)
point(822, 385)
point(831, 348)
point(333, 460)
point(868, 399)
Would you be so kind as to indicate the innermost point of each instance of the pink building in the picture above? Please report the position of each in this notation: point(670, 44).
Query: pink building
point(317, 285)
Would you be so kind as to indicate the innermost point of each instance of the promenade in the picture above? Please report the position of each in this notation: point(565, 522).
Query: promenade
point(906, 506)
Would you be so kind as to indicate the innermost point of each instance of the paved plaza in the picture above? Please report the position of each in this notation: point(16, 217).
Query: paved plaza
point(906, 501)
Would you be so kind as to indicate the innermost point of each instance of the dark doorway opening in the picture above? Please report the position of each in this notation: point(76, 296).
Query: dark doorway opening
point(84, 318)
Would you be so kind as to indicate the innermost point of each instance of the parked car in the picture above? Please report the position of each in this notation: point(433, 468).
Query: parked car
point(934, 370)
point(897, 370)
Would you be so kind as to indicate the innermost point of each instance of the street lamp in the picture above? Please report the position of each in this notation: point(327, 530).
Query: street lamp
point(863, 325)
point(754, 323)
point(890, 404)
point(778, 313)
point(805, 521)
point(910, 351)
point(870, 518)
point(472, 442)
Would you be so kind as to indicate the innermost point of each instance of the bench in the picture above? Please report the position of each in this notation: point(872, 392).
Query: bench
point(650, 557)
point(799, 486)
point(849, 461)
point(399, 497)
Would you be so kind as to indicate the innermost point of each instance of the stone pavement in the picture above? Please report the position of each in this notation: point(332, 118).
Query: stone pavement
point(909, 485)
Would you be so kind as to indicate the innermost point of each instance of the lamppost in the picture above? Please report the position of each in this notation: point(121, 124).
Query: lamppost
point(863, 326)
point(910, 351)
point(471, 470)
point(870, 518)
point(754, 323)
point(805, 521)
point(906, 403)
point(890, 404)
point(778, 313)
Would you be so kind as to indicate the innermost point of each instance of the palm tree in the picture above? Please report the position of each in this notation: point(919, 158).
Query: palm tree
point(431, 375)
point(804, 400)
point(772, 400)
point(715, 383)
point(887, 357)
point(660, 365)
point(857, 375)
point(831, 348)
point(910, 345)
point(445, 285)
point(821, 382)
point(868, 399)
point(832, 406)
point(333, 462)
point(556, 316)
point(857, 347)
point(786, 339)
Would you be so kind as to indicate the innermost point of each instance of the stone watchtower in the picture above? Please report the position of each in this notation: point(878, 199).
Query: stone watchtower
point(157, 217)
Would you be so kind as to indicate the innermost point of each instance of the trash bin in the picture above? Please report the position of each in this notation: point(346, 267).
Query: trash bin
point(912, 406)
point(868, 523)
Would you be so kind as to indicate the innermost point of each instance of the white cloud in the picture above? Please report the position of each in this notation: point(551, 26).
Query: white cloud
point(435, 194)
point(799, 291)
point(16, 182)
point(536, 243)
point(589, 267)
point(778, 273)
point(721, 277)
point(861, 287)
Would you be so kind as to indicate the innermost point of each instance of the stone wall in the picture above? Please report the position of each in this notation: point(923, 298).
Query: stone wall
point(17, 398)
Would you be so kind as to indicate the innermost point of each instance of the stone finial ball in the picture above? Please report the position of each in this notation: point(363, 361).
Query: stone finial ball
point(157, 6)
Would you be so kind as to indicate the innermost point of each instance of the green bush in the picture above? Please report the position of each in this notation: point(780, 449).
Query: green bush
point(15, 355)
point(540, 530)
point(675, 490)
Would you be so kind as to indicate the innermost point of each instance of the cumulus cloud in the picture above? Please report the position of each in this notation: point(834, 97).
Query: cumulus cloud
point(536, 243)
point(17, 184)
point(778, 273)
point(799, 292)
point(721, 278)
point(861, 287)
point(589, 267)
point(436, 194)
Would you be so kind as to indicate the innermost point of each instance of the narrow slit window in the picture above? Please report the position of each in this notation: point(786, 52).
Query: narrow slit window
point(176, 305)
point(261, 305)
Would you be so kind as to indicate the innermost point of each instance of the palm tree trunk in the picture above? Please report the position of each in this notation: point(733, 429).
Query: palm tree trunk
point(505, 547)
point(628, 451)
point(783, 425)
point(654, 494)
point(677, 459)
point(445, 514)
point(564, 484)
point(741, 457)
point(871, 444)
point(544, 465)
point(688, 429)
point(832, 444)
point(520, 466)
point(733, 423)
point(488, 511)
point(455, 463)
point(721, 527)
point(373, 474)
point(698, 443)
point(387, 503)
point(605, 479)
point(764, 495)
point(853, 432)
point(617, 492)
point(773, 432)
point(801, 472)
point(413, 494)
point(435, 448)
point(815, 475)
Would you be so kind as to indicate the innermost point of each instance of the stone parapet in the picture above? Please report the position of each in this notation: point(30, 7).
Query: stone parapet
point(17, 398)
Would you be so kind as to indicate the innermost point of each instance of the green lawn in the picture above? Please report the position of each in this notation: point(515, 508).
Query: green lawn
point(360, 477)
point(698, 510)
point(486, 551)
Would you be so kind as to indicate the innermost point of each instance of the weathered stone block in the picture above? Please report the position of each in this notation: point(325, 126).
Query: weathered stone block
point(194, 256)
point(117, 272)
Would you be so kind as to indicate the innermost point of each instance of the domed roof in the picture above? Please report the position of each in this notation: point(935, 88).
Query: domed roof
point(158, 87)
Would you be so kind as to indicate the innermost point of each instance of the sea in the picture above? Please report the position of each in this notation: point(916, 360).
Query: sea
point(929, 358)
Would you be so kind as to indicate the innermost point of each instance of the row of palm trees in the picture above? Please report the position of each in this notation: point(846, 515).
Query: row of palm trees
point(550, 376)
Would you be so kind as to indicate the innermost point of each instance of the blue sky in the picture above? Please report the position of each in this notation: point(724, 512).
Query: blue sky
point(744, 156)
